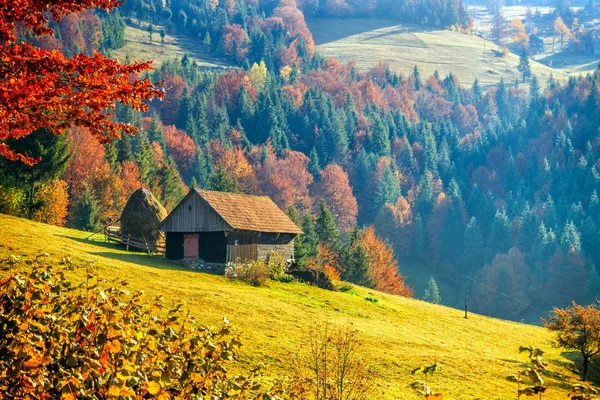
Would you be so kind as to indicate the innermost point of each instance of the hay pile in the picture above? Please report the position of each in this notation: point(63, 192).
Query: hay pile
point(141, 217)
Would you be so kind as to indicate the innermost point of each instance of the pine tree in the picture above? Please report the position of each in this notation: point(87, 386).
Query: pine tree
point(326, 230)
point(476, 92)
point(85, 214)
point(425, 197)
point(144, 158)
point(124, 149)
point(54, 153)
point(499, 241)
point(432, 292)
point(524, 67)
point(571, 238)
point(419, 244)
point(380, 138)
point(388, 188)
point(474, 251)
point(305, 245)
point(222, 182)
point(356, 261)
point(314, 167)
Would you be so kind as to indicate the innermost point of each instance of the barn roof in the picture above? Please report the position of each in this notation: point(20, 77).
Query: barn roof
point(249, 213)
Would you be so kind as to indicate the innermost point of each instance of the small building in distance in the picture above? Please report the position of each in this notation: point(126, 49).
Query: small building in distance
point(220, 227)
point(536, 44)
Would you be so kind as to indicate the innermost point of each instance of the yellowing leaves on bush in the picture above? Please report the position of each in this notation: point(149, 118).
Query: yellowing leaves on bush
point(64, 340)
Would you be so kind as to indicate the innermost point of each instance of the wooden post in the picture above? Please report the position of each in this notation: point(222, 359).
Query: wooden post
point(466, 296)
point(127, 243)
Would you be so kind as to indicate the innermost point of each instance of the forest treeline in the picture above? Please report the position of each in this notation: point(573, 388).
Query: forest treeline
point(499, 185)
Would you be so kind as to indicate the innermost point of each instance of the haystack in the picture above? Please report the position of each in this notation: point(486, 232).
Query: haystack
point(141, 217)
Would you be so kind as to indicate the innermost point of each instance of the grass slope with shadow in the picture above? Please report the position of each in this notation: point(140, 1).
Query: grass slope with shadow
point(475, 354)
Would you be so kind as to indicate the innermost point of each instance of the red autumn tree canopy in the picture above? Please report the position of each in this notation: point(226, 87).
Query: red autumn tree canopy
point(45, 89)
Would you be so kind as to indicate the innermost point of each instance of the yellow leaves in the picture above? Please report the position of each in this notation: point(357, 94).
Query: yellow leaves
point(113, 347)
point(36, 362)
point(152, 387)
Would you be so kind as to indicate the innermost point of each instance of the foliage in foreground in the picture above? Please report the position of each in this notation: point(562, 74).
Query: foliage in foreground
point(578, 329)
point(62, 340)
point(330, 366)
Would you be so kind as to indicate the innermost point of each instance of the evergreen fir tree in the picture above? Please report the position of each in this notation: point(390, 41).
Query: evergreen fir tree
point(314, 167)
point(474, 251)
point(326, 230)
point(524, 67)
point(388, 188)
point(499, 241)
point(432, 292)
point(356, 261)
point(222, 182)
point(85, 214)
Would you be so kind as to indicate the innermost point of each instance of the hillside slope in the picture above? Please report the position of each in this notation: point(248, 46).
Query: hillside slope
point(403, 46)
point(138, 48)
point(398, 333)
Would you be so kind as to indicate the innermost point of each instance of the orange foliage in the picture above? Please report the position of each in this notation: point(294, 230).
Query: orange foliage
point(286, 180)
point(296, 93)
point(182, 147)
point(229, 85)
point(383, 267)
point(55, 199)
point(326, 260)
point(335, 189)
point(89, 165)
point(465, 118)
point(41, 88)
point(234, 162)
point(174, 86)
point(130, 174)
point(294, 23)
point(236, 41)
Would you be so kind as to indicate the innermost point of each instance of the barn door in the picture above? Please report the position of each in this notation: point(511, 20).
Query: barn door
point(190, 245)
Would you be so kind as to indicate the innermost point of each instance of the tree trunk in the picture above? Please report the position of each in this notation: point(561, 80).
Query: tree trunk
point(31, 198)
point(586, 362)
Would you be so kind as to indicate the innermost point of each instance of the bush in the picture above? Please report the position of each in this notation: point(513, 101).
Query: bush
point(255, 272)
point(64, 340)
point(277, 265)
point(345, 287)
point(258, 272)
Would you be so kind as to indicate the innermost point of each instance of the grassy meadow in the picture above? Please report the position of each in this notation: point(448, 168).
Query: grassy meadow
point(475, 354)
point(138, 48)
point(403, 46)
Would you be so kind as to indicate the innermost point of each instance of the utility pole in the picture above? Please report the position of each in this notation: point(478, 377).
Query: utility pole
point(466, 296)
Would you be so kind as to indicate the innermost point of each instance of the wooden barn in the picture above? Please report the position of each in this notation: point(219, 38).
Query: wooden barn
point(219, 227)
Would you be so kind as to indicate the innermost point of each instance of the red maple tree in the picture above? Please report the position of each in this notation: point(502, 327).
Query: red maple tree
point(46, 89)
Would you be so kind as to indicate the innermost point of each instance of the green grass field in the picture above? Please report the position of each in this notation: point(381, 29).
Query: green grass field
point(403, 46)
point(475, 354)
point(138, 48)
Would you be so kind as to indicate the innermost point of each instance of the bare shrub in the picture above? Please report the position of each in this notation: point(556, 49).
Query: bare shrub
point(329, 366)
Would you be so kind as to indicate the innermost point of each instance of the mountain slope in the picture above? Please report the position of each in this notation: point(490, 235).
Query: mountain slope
point(398, 333)
point(403, 46)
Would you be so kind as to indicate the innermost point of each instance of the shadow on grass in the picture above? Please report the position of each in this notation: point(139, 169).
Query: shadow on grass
point(357, 26)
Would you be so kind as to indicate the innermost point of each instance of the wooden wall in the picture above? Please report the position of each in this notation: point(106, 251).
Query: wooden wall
point(282, 243)
point(246, 247)
point(194, 214)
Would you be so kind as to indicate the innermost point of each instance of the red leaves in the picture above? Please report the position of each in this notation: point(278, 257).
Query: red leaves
point(45, 89)
point(34, 14)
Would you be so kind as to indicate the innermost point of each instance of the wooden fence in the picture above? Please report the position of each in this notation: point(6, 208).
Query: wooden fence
point(113, 234)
